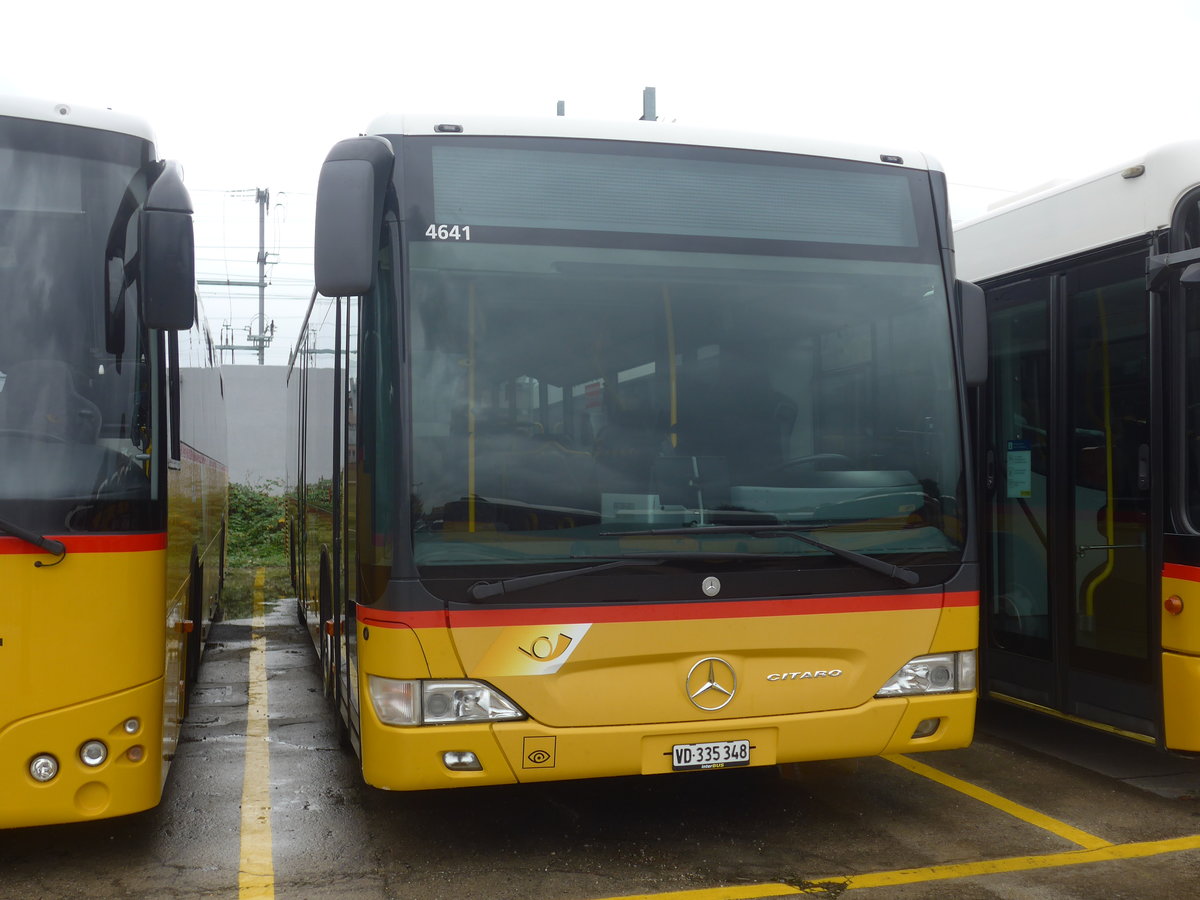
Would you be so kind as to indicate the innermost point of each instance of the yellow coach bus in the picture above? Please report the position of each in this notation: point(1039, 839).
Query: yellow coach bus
point(112, 486)
point(1090, 427)
point(633, 448)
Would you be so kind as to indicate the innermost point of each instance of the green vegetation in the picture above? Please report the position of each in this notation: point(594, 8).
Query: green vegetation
point(258, 538)
point(258, 531)
point(237, 600)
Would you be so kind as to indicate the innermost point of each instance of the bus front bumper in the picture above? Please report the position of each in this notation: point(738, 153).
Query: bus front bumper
point(420, 758)
point(128, 780)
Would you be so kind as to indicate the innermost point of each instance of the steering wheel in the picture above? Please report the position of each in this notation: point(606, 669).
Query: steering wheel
point(796, 461)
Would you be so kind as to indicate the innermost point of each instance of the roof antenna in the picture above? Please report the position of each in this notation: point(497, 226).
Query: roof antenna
point(562, 107)
point(648, 113)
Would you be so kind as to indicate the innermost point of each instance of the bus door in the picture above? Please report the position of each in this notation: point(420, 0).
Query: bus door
point(1067, 505)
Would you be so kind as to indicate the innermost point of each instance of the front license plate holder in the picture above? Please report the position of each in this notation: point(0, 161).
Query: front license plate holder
point(710, 755)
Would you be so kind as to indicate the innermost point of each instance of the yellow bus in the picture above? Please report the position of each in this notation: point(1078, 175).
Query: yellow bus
point(630, 448)
point(112, 486)
point(1089, 424)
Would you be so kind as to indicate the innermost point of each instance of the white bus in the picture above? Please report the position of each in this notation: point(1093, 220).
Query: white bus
point(1091, 447)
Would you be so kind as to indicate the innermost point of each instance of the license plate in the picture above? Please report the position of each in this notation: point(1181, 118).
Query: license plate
point(712, 755)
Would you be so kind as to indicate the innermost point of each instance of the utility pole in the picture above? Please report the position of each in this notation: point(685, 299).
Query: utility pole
point(257, 341)
point(263, 197)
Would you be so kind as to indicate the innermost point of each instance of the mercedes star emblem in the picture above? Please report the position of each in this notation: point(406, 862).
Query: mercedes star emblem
point(711, 684)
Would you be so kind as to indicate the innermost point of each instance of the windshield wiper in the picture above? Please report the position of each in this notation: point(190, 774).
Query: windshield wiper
point(899, 573)
point(483, 590)
point(51, 546)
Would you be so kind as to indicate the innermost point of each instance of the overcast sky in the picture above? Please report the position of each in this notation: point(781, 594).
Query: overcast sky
point(252, 94)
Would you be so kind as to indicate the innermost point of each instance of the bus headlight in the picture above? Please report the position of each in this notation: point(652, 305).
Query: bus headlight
point(419, 702)
point(942, 673)
point(465, 701)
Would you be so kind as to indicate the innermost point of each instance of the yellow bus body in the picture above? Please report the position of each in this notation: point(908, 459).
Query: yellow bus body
point(588, 718)
point(95, 641)
point(1181, 657)
point(87, 647)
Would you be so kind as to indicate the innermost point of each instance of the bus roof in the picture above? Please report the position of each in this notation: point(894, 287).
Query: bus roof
point(1124, 201)
point(637, 130)
point(80, 116)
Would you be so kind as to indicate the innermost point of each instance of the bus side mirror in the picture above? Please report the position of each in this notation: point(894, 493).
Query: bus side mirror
point(349, 215)
point(972, 315)
point(167, 248)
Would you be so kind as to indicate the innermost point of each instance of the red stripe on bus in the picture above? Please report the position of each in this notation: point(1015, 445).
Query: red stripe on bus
point(187, 451)
point(386, 618)
point(88, 543)
point(1175, 570)
point(665, 612)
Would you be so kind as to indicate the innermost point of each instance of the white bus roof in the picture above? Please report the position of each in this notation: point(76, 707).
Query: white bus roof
point(636, 130)
point(80, 116)
point(1135, 198)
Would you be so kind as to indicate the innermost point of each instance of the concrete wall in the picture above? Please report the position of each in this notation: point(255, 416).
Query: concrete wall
point(256, 409)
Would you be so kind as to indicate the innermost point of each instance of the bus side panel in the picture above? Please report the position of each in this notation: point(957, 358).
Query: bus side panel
point(1181, 632)
point(1181, 658)
point(1181, 687)
point(205, 444)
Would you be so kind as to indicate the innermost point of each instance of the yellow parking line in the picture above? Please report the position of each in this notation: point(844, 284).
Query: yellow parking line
point(740, 892)
point(1024, 813)
point(826, 886)
point(256, 870)
point(1013, 864)
point(1094, 850)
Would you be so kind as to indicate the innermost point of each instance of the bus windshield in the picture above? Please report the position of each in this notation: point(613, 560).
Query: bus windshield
point(610, 343)
point(75, 400)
